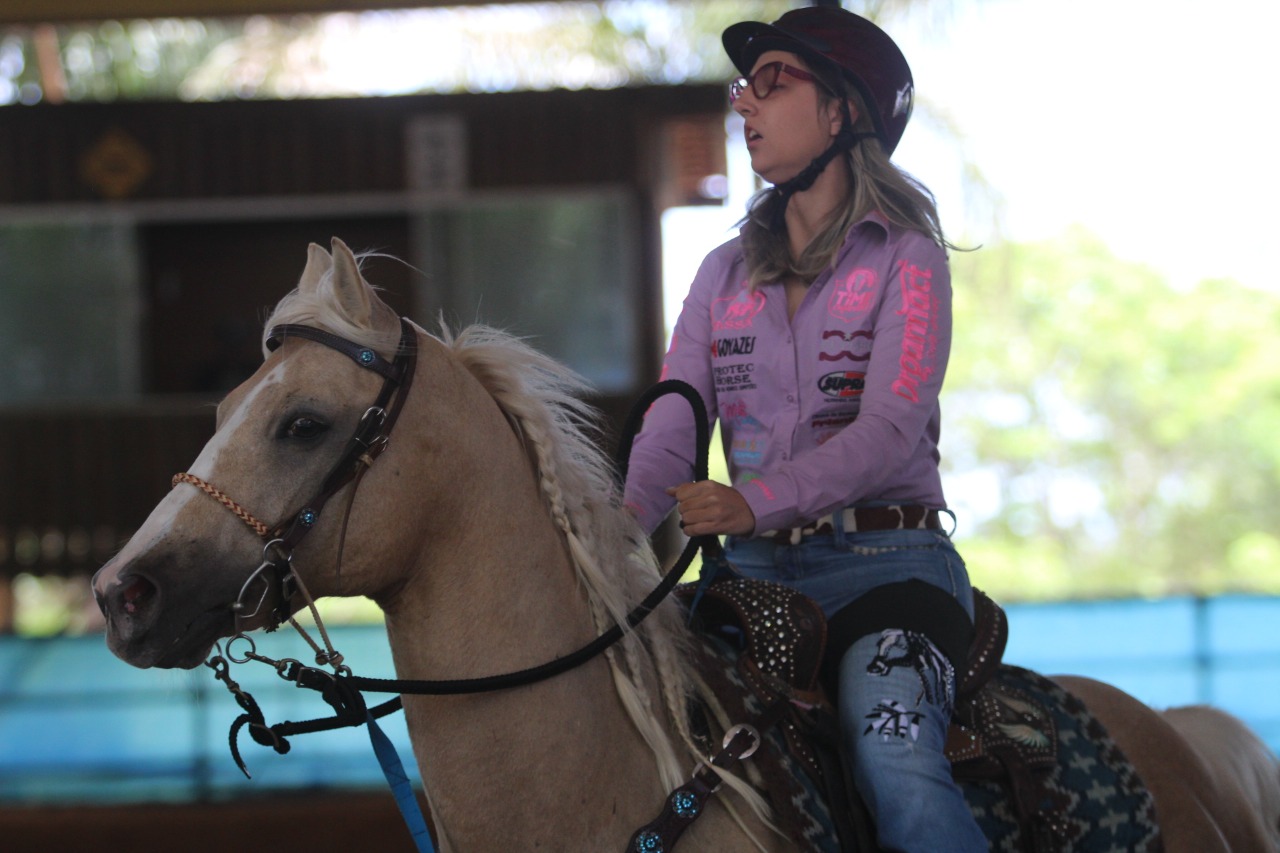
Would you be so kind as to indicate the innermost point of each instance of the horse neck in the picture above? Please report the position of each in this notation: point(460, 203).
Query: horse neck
point(497, 594)
point(497, 591)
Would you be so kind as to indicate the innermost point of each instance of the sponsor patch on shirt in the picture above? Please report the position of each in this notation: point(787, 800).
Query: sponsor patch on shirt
point(843, 384)
point(851, 346)
point(854, 296)
point(736, 312)
point(827, 425)
point(722, 347)
point(734, 377)
point(749, 439)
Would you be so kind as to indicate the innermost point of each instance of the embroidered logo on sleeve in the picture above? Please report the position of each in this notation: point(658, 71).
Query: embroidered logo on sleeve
point(920, 337)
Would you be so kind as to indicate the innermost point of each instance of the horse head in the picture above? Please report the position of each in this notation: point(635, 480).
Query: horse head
point(893, 649)
point(196, 572)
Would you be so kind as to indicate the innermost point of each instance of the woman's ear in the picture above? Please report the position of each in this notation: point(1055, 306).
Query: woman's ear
point(837, 115)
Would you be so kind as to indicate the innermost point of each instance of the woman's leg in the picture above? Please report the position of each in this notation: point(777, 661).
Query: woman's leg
point(896, 689)
point(896, 694)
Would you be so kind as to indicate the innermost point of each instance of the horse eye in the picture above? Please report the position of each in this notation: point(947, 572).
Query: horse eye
point(305, 428)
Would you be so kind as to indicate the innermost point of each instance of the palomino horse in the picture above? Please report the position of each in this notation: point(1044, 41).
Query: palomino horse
point(1235, 757)
point(491, 535)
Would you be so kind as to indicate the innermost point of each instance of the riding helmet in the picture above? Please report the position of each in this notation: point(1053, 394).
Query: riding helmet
point(836, 40)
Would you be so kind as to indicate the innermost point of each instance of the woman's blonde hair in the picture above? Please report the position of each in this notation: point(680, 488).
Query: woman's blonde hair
point(875, 184)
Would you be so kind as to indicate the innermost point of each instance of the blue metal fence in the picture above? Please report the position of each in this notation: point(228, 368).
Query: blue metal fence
point(77, 725)
point(1179, 651)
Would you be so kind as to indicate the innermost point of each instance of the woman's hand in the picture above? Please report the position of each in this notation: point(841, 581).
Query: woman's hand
point(709, 508)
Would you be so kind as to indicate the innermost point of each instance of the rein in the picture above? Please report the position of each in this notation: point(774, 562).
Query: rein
point(342, 690)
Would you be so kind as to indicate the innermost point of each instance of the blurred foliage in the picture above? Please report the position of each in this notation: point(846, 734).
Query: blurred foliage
point(108, 60)
point(503, 47)
point(1119, 434)
point(479, 48)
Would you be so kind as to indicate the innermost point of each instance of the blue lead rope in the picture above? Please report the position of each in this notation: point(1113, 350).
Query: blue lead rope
point(401, 788)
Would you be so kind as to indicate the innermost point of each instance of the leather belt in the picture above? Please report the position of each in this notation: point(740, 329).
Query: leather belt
point(856, 519)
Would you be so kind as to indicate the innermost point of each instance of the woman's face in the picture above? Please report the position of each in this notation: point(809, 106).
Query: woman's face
point(790, 126)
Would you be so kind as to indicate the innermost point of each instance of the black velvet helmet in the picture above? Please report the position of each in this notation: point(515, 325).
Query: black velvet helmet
point(835, 42)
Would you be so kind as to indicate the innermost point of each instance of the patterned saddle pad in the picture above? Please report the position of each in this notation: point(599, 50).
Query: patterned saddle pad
point(1089, 799)
point(1071, 789)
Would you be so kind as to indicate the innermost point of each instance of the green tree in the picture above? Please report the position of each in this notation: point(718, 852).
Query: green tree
point(107, 60)
point(1123, 431)
point(500, 48)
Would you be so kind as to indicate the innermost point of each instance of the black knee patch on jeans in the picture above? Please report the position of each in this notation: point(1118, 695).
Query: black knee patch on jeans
point(908, 605)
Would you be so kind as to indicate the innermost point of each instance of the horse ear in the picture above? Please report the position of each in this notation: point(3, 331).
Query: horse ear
point(318, 263)
point(353, 293)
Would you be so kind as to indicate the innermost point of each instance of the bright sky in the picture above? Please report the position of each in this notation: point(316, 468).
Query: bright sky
point(1147, 121)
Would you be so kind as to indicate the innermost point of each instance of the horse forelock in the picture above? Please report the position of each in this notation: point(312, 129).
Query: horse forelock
point(323, 309)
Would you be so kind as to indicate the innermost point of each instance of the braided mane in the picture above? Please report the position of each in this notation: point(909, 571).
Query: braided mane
point(612, 556)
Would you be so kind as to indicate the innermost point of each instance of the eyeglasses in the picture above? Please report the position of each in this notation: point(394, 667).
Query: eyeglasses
point(765, 79)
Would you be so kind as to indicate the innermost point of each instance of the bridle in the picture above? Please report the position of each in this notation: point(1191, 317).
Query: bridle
point(341, 689)
point(370, 439)
point(367, 443)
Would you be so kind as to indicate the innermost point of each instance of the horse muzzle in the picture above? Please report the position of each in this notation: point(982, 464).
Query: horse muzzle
point(146, 625)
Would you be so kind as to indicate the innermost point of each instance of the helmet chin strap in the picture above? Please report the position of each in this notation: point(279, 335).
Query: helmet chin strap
point(844, 140)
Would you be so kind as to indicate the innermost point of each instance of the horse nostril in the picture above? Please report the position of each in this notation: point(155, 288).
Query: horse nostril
point(136, 593)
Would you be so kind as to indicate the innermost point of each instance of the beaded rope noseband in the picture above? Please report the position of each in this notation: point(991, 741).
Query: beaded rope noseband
point(212, 491)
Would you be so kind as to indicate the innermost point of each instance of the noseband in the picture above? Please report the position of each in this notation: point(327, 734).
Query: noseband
point(368, 442)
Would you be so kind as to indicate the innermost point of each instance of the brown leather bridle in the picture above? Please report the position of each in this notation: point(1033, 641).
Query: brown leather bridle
point(366, 444)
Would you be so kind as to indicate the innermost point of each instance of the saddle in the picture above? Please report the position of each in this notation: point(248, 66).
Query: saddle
point(787, 651)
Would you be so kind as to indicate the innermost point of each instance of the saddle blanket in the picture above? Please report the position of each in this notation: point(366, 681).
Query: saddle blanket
point(1094, 800)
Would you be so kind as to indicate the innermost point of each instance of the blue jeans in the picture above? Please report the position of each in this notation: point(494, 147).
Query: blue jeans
point(893, 718)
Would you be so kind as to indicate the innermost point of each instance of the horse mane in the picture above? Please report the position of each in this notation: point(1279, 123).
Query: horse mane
point(612, 557)
point(614, 561)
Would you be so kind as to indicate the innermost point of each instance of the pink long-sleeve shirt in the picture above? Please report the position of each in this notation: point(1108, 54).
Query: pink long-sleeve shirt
point(835, 407)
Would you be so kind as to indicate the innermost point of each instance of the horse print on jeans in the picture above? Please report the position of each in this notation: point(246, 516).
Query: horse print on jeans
point(897, 648)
